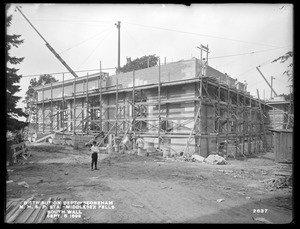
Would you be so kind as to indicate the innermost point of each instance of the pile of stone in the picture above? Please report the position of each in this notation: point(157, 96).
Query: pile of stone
point(212, 159)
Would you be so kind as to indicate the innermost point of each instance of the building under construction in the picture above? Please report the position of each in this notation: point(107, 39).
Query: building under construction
point(185, 106)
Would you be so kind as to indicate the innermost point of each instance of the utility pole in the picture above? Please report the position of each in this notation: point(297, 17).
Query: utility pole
point(119, 30)
point(272, 85)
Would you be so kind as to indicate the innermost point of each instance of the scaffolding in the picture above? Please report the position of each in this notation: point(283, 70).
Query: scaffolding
point(213, 112)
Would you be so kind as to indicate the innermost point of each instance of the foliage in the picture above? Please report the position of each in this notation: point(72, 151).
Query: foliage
point(30, 95)
point(12, 81)
point(290, 71)
point(287, 97)
point(139, 63)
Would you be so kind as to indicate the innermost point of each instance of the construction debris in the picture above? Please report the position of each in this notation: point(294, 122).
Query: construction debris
point(215, 160)
point(16, 149)
point(220, 200)
point(281, 182)
point(160, 160)
point(137, 205)
point(24, 184)
point(9, 181)
point(198, 158)
point(263, 220)
point(45, 138)
point(225, 171)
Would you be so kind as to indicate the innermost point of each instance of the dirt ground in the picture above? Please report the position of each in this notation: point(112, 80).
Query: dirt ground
point(144, 190)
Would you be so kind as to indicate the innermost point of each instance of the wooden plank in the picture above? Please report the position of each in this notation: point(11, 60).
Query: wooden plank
point(40, 214)
point(284, 153)
point(14, 209)
point(32, 216)
point(44, 138)
point(20, 151)
point(10, 205)
point(281, 148)
point(290, 146)
point(277, 147)
point(17, 145)
point(25, 216)
point(16, 214)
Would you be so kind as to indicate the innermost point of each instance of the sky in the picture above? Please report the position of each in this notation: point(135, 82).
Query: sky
point(240, 38)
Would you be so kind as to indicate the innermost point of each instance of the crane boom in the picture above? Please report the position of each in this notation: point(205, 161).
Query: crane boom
point(49, 47)
point(266, 81)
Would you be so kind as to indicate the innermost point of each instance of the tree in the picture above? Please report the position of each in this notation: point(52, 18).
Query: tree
point(30, 95)
point(139, 63)
point(12, 79)
point(288, 97)
point(286, 57)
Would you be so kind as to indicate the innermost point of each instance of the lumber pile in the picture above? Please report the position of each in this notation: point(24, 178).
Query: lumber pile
point(25, 211)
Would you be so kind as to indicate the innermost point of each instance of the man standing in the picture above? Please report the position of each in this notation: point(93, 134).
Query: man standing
point(94, 150)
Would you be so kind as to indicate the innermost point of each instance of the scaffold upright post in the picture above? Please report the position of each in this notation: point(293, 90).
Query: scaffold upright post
point(100, 98)
point(133, 102)
point(117, 103)
point(74, 108)
point(43, 109)
point(63, 104)
point(159, 103)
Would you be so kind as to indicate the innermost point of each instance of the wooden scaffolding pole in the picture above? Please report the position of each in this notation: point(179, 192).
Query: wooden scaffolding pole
point(244, 121)
point(87, 104)
point(238, 120)
point(218, 117)
point(262, 122)
point(36, 112)
point(159, 102)
point(228, 115)
point(117, 103)
point(51, 107)
point(100, 97)
point(133, 101)
point(74, 107)
point(250, 125)
point(43, 110)
point(199, 111)
point(63, 104)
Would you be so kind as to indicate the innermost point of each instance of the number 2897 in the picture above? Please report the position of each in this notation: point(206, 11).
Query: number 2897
point(260, 210)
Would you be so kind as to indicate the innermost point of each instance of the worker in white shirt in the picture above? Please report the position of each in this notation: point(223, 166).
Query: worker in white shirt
point(140, 142)
point(94, 152)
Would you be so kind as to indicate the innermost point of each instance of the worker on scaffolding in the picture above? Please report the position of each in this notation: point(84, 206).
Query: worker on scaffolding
point(236, 82)
point(204, 64)
point(245, 85)
point(94, 153)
